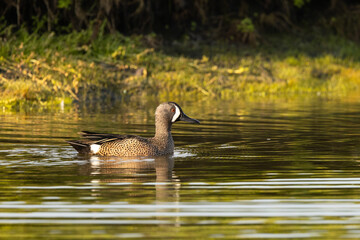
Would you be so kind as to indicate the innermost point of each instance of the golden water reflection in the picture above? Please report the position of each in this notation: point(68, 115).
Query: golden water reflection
point(133, 170)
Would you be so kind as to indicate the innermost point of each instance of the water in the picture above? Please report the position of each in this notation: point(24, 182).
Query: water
point(251, 170)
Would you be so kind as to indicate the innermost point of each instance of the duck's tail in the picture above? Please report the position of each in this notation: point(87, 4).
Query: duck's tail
point(80, 146)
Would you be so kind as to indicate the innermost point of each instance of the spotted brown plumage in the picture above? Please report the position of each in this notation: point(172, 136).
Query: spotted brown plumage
point(131, 145)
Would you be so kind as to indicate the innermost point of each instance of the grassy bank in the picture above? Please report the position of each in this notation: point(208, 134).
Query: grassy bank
point(48, 69)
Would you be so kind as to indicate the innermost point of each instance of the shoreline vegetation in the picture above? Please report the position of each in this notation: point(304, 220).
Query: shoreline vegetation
point(63, 52)
point(51, 69)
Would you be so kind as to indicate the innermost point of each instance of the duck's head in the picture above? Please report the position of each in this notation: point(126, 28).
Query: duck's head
point(172, 112)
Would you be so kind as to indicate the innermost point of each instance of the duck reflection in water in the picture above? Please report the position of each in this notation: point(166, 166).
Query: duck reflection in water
point(123, 170)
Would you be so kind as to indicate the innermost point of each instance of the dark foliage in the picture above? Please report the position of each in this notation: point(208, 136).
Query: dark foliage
point(244, 20)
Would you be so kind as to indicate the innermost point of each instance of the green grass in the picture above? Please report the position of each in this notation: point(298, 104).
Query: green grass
point(47, 69)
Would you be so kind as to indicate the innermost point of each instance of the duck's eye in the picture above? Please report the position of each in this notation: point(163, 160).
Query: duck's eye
point(173, 110)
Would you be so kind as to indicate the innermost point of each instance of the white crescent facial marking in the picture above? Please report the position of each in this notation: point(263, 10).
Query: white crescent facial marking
point(176, 115)
point(94, 148)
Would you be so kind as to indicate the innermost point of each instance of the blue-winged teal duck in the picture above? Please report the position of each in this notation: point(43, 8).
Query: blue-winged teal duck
point(130, 145)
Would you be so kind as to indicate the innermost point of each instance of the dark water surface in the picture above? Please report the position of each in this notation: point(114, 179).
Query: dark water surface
point(264, 170)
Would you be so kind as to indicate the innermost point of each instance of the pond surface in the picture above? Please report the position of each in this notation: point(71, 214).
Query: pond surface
point(260, 170)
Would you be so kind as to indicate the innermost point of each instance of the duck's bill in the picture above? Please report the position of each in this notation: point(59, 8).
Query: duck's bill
point(188, 119)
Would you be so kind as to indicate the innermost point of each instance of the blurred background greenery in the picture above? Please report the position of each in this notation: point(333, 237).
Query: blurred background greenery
point(64, 51)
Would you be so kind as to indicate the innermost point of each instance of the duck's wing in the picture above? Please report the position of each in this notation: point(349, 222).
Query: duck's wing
point(88, 138)
point(99, 138)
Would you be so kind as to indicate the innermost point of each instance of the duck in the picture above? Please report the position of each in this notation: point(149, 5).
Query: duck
point(103, 144)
